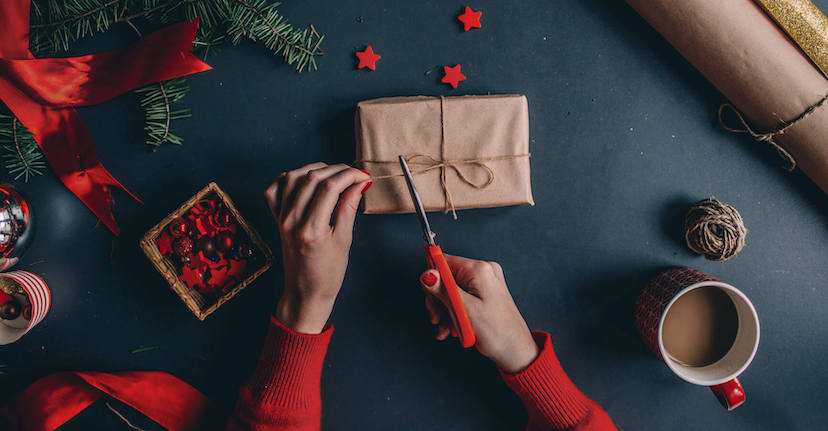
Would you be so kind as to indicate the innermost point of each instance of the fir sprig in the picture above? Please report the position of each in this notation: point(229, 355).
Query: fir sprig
point(62, 22)
point(57, 25)
point(157, 101)
point(21, 155)
point(260, 21)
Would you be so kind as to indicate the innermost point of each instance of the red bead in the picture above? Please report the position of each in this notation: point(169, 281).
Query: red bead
point(207, 246)
point(179, 227)
point(9, 310)
point(182, 246)
point(225, 241)
point(222, 219)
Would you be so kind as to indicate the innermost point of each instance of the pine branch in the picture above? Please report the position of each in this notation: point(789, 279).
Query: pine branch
point(62, 22)
point(59, 24)
point(21, 155)
point(157, 101)
point(259, 21)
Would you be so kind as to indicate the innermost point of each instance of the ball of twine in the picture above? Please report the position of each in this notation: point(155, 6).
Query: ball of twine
point(714, 229)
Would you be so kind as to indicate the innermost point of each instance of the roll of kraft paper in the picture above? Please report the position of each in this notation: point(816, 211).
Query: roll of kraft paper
point(741, 51)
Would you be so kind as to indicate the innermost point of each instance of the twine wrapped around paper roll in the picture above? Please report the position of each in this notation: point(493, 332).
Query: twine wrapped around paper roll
point(739, 49)
point(714, 229)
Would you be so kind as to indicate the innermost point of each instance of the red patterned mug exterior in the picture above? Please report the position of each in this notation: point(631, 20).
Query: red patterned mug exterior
point(651, 307)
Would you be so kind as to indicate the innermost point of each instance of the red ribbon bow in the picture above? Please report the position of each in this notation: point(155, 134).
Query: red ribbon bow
point(42, 94)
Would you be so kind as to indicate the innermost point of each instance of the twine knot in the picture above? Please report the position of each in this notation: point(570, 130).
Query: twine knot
point(714, 229)
point(769, 135)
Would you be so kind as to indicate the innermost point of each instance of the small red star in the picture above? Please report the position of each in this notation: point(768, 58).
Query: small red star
point(367, 58)
point(453, 76)
point(190, 277)
point(164, 244)
point(470, 19)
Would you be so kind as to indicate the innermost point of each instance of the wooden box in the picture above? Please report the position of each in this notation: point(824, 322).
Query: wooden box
point(195, 301)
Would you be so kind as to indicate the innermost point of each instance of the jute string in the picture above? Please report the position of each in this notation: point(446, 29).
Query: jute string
point(443, 164)
point(714, 229)
point(768, 136)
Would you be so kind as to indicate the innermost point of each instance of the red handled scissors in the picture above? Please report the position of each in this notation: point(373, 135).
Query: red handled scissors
point(436, 260)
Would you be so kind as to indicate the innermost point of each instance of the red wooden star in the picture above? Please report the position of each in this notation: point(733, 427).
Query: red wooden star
point(367, 58)
point(164, 243)
point(470, 19)
point(453, 76)
point(190, 277)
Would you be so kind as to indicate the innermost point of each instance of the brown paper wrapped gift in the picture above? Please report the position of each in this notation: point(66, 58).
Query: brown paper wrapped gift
point(464, 152)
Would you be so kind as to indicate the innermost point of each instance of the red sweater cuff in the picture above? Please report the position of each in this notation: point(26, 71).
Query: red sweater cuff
point(548, 393)
point(290, 367)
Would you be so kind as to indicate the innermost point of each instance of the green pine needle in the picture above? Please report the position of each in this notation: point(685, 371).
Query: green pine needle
point(157, 101)
point(259, 20)
point(21, 155)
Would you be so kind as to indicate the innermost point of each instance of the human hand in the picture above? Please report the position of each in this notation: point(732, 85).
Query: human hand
point(314, 247)
point(501, 332)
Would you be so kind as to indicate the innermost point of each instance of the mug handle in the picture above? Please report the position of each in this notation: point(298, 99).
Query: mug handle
point(730, 394)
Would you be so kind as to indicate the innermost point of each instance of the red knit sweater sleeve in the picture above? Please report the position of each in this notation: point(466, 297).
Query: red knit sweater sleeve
point(552, 400)
point(284, 391)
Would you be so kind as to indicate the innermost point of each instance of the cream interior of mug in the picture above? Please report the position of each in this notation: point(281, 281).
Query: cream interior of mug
point(736, 359)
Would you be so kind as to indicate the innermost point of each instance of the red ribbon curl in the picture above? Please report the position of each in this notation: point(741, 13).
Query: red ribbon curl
point(42, 93)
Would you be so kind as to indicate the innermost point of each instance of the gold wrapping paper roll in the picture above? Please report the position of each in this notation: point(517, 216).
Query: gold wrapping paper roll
point(805, 24)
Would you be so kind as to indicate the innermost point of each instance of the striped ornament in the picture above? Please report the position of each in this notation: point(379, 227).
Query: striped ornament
point(41, 300)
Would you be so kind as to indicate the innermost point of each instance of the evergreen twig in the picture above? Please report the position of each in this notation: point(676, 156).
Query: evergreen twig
point(21, 155)
point(157, 101)
point(61, 24)
point(259, 20)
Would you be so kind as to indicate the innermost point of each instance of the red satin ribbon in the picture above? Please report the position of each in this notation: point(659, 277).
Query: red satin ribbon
point(51, 401)
point(42, 93)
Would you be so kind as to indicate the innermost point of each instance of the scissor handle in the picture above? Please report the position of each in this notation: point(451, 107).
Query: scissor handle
point(457, 311)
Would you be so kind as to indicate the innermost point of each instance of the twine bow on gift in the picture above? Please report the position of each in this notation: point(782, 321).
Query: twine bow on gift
point(444, 164)
point(43, 93)
point(768, 136)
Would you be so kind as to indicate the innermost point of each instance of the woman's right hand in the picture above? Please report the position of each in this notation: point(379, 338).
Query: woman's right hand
point(501, 332)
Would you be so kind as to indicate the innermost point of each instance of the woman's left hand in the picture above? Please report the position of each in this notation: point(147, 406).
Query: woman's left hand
point(314, 247)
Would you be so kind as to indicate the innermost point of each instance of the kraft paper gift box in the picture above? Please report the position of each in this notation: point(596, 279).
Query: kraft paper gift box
point(464, 152)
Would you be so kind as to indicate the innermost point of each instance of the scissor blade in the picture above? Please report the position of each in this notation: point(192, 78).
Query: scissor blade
point(418, 204)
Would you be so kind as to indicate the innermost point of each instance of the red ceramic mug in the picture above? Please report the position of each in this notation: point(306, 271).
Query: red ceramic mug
point(652, 306)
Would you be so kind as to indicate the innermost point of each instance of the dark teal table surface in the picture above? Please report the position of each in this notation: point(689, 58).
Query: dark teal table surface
point(623, 140)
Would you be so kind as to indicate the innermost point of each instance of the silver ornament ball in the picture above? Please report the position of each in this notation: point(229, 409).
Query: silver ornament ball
point(16, 226)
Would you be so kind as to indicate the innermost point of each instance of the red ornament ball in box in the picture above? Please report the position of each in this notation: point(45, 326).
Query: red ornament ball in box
point(182, 246)
point(179, 227)
point(222, 219)
point(244, 252)
point(206, 246)
point(225, 241)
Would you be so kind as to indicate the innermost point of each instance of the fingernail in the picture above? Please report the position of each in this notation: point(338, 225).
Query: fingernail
point(367, 186)
point(366, 172)
point(429, 279)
